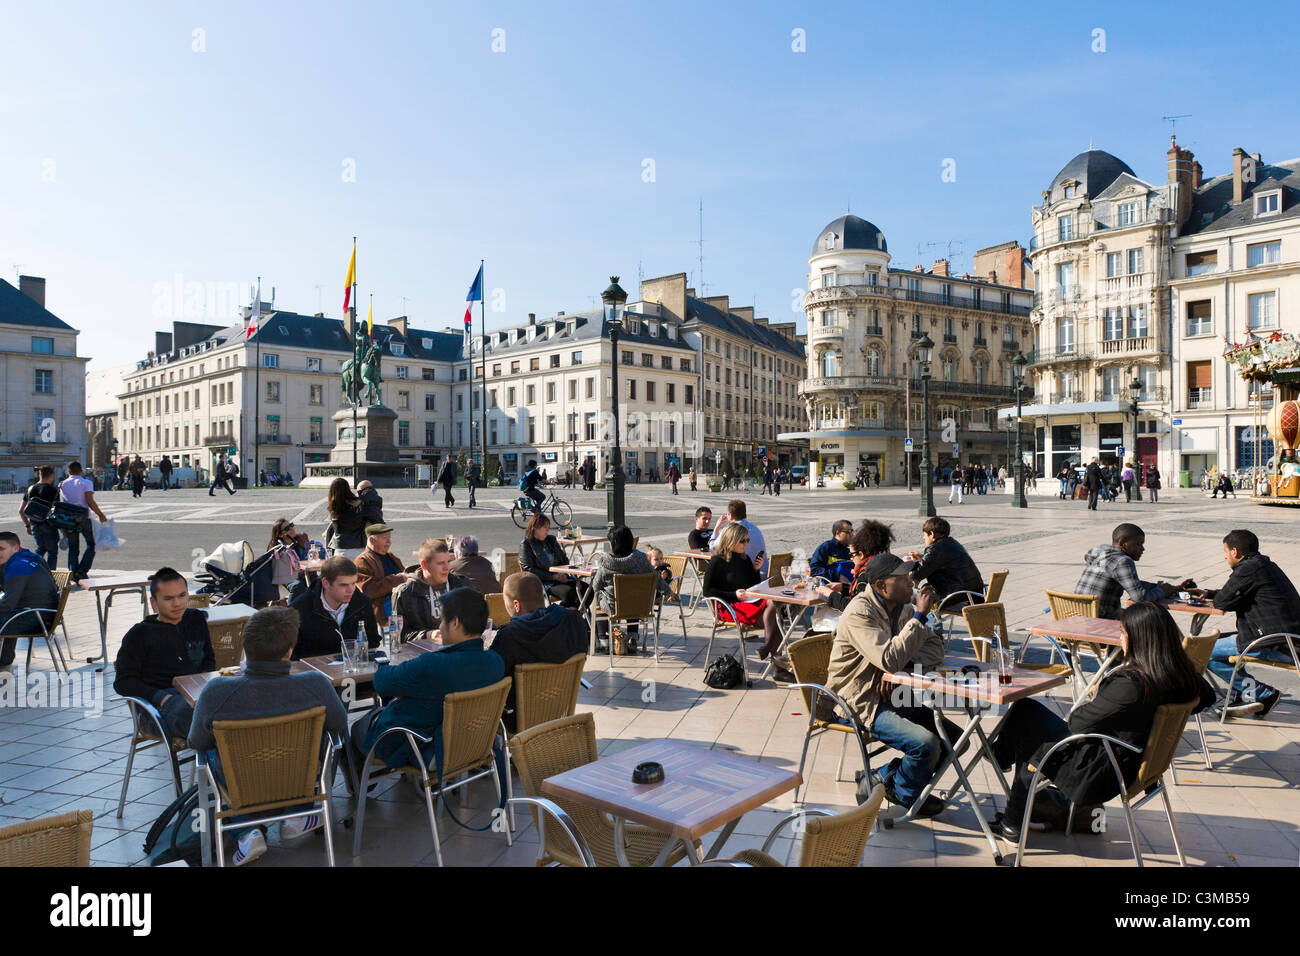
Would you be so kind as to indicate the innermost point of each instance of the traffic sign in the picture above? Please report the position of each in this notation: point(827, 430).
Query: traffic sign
point(907, 446)
point(1178, 421)
point(1119, 452)
point(956, 450)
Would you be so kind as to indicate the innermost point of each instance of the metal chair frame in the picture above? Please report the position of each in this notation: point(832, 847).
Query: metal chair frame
point(715, 604)
point(1242, 657)
point(552, 809)
point(46, 634)
point(142, 710)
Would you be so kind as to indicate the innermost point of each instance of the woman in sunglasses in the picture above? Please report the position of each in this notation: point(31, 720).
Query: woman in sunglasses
point(730, 572)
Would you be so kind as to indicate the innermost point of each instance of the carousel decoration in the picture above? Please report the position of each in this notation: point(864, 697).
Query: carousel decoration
point(1273, 362)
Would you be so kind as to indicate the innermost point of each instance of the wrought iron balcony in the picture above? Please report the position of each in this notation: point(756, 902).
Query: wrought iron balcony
point(275, 438)
point(214, 441)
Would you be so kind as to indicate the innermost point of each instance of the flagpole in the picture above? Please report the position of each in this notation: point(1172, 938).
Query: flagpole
point(482, 328)
point(257, 383)
point(356, 371)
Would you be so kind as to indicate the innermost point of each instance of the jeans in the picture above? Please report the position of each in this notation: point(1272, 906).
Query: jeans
point(910, 730)
point(447, 498)
point(471, 485)
point(1226, 647)
point(1128, 490)
point(538, 498)
point(213, 761)
point(78, 563)
point(47, 543)
point(1092, 499)
point(177, 715)
point(956, 490)
point(1027, 727)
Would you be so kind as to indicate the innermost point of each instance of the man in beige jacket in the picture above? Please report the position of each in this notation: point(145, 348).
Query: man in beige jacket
point(880, 632)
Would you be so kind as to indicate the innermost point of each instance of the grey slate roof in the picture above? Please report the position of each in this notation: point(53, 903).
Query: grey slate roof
point(734, 324)
point(854, 233)
point(18, 309)
point(1093, 169)
point(1213, 208)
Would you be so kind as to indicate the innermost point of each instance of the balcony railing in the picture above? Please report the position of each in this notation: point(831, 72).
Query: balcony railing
point(1059, 355)
point(850, 382)
point(875, 330)
point(213, 441)
point(1200, 398)
point(988, 303)
point(981, 342)
point(950, 336)
point(1126, 396)
point(274, 438)
point(1133, 282)
point(1062, 398)
point(1120, 346)
point(1010, 345)
point(828, 331)
point(940, 387)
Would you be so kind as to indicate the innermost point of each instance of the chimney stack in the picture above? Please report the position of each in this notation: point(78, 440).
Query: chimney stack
point(1181, 170)
point(400, 324)
point(532, 318)
point(34, 288)
point(940, 267)
point(1243, 174)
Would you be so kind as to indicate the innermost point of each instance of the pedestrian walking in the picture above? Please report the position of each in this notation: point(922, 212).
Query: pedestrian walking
point(447, 478)
point(1092, 478)
point(165, 469)
point(1153, 483)
point(472, 474)
point(220, 477)
point(692, 477)
point(674, 475)
point(956, 478)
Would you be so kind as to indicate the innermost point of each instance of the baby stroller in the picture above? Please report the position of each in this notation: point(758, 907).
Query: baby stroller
point(234, 576)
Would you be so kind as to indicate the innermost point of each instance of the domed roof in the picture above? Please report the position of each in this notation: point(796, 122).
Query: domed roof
point(849, 232)
point(1093, 169)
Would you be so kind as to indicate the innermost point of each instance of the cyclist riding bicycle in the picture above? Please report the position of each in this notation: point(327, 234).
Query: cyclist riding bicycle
point(529, 482)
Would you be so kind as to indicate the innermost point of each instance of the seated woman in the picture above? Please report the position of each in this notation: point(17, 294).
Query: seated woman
point(621, 558)
point(472, 565)
point(1156, 671)
point(283, 533)
point(872, 538)
point(539, 552)
point(346, 535)
point(730, 572)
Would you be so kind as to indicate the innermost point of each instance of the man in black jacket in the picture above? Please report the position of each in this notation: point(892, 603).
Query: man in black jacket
point(447, 478)
point(537, 633)
point(166, 645)
point(333, 609)
point(945, 563)
point(1092, 478)
point(27, 586)
point(46, 535)
point(1266, 602)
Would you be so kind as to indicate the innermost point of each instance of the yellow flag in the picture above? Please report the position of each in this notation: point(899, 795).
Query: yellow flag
point(370, 319)
point(352, 277)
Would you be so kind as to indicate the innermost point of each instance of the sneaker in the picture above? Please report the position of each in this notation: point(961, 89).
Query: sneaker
point(1244, 709)
point(932, 806)
point(251, 846)
point(292, 829)
point(1267, 700)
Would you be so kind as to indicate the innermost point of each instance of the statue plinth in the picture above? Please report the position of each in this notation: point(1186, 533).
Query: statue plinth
point(376, 452)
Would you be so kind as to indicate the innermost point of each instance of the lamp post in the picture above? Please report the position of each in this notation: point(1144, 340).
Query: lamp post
point(1135, 388)
point(923, 350)
point(614, 298)
point(1018, 499)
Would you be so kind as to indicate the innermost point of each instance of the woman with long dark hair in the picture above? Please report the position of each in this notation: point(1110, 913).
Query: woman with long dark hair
point(346, 534)
point(872, 538)
point(728, 573)
point(1156, 671)
point(539, 552)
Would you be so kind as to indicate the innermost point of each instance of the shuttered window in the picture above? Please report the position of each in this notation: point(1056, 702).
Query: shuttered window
point(1198, 375)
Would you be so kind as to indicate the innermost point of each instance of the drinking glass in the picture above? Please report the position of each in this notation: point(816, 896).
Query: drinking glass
point(1006, 664)
point(349, 651)
point(785, 575)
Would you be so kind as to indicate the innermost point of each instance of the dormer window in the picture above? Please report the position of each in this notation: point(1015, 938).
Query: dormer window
point(427, 343)
point(1268, 204)
point(829, 241)
point(1128, 213)
point(828, 280)
point(1068, 191)
point(398, 348)
point(570, 327)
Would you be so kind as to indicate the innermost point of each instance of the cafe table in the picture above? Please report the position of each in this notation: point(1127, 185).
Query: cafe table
point(331, 665)
point(1097, 633)
point(702, 790)
point(695, 560)
point(583, 571)
point(225, 613)
point(582, 548)
point(1200, 611)
point(107, 588)
point(793, 600)
point(190, 686)
point(949, 691)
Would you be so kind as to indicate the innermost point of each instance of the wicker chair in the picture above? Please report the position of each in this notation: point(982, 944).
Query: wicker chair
point(497, 609)
point(270, 766)
point(997, 581)
point(62, 581)
point(511, 565)
point(1065, 605)
point(677, 568)
point(1237, 660)
point(1166, 732)
point(810, 658)
point(227, 642)
point(552, 748)
point(32, 616)
point(774, 565)
point(199, 601)
point(950, 606)
point(829, 839)
point(546, 692)
point(1199, 649)
point(62, 840)
point(981, 619)
point(470, 720)
point(635, 598)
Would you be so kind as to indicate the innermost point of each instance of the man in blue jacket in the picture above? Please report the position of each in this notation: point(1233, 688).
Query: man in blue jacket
point(28, 585)
point(831, 560)
point(416, 689)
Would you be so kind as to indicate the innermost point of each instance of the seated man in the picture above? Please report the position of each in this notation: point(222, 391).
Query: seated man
point(265, 689)
point(475, 568)
point(1224, 485)
point(537, 632)
point(1109, 572)
point(418, 601)
point(28, 586)
point(698, 539)
point(378, 572)
point(1266, 602)
point(945, 563)
point(165, 645)
point(332, 609)
point(880, 632)
point(736, 511)
point(831, 560)
point(415, 690)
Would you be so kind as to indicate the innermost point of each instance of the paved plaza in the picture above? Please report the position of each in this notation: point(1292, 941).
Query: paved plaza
point(1244, 812)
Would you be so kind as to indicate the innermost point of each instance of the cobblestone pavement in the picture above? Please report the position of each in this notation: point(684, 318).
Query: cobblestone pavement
point(1245, 811)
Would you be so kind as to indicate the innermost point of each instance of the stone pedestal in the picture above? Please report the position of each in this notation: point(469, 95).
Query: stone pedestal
point(376, 451)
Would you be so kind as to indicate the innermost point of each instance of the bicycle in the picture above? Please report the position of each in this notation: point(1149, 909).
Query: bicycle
point(559, 512)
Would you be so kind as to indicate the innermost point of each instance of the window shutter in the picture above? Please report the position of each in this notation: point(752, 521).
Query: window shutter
point(1198, 375)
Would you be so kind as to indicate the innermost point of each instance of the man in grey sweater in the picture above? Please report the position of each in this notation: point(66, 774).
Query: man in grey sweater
point(266, 688)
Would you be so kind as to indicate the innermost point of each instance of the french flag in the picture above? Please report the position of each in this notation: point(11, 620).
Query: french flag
point(475, 294)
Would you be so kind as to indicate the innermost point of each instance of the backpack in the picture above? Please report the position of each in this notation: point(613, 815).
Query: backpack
point(173, 835)
point(523, 482)
point(67, 517)
point(725, 673)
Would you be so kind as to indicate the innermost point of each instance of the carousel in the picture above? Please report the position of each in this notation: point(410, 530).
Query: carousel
point(1271, 365)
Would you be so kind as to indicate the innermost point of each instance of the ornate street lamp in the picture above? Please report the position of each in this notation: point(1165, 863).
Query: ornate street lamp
point(923, 349)
point(615, 299)
point(1018, 499)
point(1135, 387)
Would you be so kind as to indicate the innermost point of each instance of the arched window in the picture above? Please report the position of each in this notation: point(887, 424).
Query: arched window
point(980, 366)
point(830, 363)
point(874, 362)
point(951, 360)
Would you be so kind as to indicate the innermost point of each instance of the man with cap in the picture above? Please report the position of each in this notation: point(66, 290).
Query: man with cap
point(378, 572)
point(882, 631)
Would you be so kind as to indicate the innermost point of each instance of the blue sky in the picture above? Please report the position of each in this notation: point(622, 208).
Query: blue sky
point(131, 158)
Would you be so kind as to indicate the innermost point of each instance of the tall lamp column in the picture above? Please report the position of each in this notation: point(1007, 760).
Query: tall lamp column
point(923, 349)
point(615, 299)
point(1018, 499)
